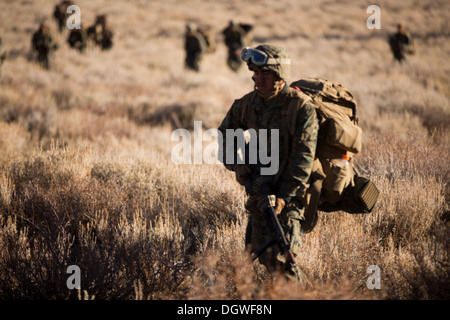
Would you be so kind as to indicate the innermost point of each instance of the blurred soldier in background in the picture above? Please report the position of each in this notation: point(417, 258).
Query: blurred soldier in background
point(42, 43)
point(100, 34)
point(401, 44)
point(60, 14)
point(195, 46)
point(236, 36)
point(78, 39)
point(2, 55)
point(107, 36)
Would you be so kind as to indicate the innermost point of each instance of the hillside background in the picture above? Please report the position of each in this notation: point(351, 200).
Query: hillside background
point(86, 176)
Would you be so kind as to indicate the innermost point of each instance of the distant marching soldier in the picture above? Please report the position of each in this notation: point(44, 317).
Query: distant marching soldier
point(195, 46)
point(401, 44)
point(236, 37)
point(100, 33)
point(78, 39)
point(42, 42)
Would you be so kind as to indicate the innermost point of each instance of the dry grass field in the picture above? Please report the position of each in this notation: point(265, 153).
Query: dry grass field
point(86, 176)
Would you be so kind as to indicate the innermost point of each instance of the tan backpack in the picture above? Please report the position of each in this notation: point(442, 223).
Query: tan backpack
point(334, 184)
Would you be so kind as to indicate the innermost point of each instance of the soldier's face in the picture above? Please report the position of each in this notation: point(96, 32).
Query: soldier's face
point(264, 80)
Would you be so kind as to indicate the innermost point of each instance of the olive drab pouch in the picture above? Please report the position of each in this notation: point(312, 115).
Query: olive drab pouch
point(365, 195)
point(344, 134)
point(361, 197)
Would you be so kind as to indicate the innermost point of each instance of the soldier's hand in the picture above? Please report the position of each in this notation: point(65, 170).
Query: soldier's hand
point(242, 172)
point(279, 205)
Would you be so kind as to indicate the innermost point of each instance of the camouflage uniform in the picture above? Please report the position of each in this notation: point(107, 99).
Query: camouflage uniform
point(77, 39)
point(43, 43)
point(195, 47)
point(400, 43)
point(107, 36)
point(254, 111)
point(100, 33)
point(236, 37)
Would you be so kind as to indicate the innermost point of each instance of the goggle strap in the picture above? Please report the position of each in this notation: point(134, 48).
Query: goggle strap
point(278, 61)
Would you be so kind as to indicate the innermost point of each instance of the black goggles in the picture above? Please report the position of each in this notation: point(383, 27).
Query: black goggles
point(260, 58)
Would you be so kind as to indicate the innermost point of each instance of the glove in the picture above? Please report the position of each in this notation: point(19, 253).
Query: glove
point(242, 172)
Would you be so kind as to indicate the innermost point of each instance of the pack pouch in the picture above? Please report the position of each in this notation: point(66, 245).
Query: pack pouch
point(365, 195)
point(344, 135)
point(359, 198)
point(337, 179)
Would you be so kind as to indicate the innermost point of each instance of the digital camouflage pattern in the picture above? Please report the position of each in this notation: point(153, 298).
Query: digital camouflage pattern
point(252, 111)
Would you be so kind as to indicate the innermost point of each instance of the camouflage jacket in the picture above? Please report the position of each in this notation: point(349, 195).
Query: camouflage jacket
point(43, 42)
point(234, 37)
point(253, 112)
point(194, 43)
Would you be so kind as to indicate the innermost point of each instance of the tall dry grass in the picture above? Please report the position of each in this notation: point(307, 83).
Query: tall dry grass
point(86, 176)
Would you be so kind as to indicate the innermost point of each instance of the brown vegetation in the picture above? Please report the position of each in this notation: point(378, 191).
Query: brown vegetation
point(86, 176)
